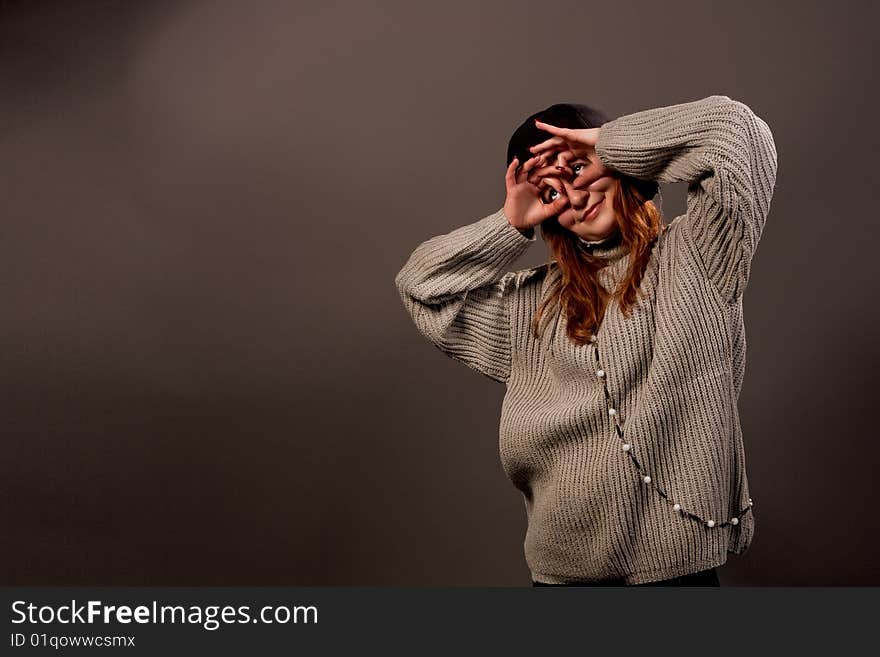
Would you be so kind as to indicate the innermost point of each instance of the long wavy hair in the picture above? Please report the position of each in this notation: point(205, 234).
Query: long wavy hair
point(582, 297)
point(578, 291)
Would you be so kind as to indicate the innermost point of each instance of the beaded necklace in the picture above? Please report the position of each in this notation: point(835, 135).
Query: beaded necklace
point(628, 447)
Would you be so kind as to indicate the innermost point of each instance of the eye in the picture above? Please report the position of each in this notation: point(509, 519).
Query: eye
point(549, 195)
point(578, 168)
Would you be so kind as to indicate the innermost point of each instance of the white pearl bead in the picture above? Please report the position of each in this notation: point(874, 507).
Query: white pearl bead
point(611, 411)
point(600, 373)
point(647, 479)
point(593, 338)
point(750, 501)
point(734, 521)
point(626, 447)
point(676, 507)
point(711, 523)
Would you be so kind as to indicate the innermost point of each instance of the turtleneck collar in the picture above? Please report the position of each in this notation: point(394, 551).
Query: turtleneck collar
point(610, 248)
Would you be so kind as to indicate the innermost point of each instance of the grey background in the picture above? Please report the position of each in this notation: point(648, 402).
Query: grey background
point(207, 374)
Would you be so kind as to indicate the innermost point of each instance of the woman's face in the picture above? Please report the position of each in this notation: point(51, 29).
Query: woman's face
point(589, 186)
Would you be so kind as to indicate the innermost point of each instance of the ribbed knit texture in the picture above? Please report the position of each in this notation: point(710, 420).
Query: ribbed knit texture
point(672, 371)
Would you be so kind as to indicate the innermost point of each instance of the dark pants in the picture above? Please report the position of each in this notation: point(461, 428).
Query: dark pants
point(702, 578)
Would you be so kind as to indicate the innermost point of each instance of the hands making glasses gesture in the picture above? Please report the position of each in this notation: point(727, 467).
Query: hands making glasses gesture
point(540, 187)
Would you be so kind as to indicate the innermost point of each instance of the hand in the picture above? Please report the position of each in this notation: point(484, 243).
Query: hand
point(573, 143)
point(523, 205)
point(566, 138)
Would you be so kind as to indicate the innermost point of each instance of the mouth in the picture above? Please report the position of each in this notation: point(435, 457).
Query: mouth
point(593, 210)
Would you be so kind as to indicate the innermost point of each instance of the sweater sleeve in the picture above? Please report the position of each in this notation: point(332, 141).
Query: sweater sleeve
point(456, 289)
point(727, 155)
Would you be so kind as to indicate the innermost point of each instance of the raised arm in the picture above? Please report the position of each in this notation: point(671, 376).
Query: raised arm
point(456, 287)
point(727, 155)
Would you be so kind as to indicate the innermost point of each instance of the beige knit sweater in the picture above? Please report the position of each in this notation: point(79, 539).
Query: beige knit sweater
point(628, 451)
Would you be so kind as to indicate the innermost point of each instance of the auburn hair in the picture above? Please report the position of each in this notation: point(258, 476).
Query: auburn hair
point(578, 290)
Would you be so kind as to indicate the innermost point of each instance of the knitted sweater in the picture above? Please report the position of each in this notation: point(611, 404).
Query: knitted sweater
point(628, 451)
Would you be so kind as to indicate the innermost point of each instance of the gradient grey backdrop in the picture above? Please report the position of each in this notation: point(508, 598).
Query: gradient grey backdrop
point(207, 374)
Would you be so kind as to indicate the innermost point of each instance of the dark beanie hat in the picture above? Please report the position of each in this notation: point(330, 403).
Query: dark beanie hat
point(564, 115)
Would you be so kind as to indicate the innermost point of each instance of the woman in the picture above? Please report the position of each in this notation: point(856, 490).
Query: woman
point(623, 355)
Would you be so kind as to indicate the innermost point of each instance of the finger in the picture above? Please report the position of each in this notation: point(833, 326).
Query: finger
point(542, 159)
point(565, 133)
point(523, 174)
point(531, 163)
point(510, 176)
point(561, 167)
point(552, 181)
point(547, 144)
point(555, 207)
point(586, 178)
point(562, 160)
point(541, 172)
point(588, 175)
point(580, 150)
point(546, 183)
point(549, 181)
